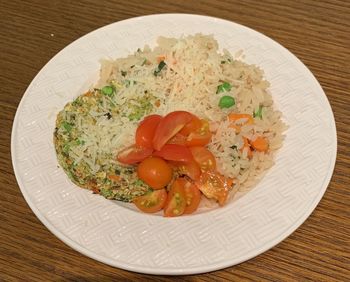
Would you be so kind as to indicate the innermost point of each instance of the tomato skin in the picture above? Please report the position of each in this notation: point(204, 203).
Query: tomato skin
point(176, 202)
point(171, 124)
point(173, 152)
point(155, 172)
point(193, 197)
point(204, 158)
point(134, 154)
point(191, 169)
point(145, 131)
point(151, 202)
point(194, 125)
point(214, 186)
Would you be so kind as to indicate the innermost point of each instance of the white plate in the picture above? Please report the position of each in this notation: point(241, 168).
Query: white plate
point(113, 234)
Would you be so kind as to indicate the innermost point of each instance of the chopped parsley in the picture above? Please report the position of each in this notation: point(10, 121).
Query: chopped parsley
point(107, 193)
point(258, 112)
point(77, 102)
point(66, 148)
point(139, 182)
point(67, 126)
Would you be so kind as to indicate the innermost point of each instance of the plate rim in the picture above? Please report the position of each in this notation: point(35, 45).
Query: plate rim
point(173, 271)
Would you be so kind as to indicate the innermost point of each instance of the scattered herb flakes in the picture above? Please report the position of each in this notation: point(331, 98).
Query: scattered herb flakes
point(108, 115)
point(144, 62)
point(161, 65)
point(107, 193)
point(258, 112)
point(67, 126)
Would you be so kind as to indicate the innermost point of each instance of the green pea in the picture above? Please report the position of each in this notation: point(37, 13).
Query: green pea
point(225, 87)
point(226, 102)
point(108, 90)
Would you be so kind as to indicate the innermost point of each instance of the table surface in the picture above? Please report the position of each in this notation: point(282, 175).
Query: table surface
point(31, 32)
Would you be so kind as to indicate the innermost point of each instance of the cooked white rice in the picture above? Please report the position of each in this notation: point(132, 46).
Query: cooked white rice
point(194, 69)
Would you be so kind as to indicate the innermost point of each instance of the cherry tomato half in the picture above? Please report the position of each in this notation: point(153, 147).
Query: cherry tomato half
point(193, 197)
point(191, 169)
point(133, 154)
point(151, 202)
point(204, 158)
point(171, 124)
point(192, 126)
point(173, 152)
point(155, 172)
point(176, 202)
point(201, 136)
point(214, 186)
point(177, 139)
point(146, 129)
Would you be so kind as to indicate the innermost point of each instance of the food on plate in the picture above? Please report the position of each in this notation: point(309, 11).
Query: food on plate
point(166, 127)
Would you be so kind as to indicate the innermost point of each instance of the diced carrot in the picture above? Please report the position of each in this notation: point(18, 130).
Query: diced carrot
point(247, 145)
point(160, 58)
point(157, 103)
point(235, 117)
point(114, 177)
point(237, 128)
point(260, 144)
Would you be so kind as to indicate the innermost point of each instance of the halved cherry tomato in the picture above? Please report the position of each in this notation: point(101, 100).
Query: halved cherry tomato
point(176, 202)
point(192, 126)
point(155, 172)
point(191, 169)
point(171, 124)
point(204, 158)
point(214, 186)
point(201, 136)
point(151, 202)
point(193, 197)
point(173, 152)
point(134, 154)
point(178, 139)
point(146, 129)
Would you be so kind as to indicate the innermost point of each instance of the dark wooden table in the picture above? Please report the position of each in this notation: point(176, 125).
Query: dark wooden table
point(318, 32)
